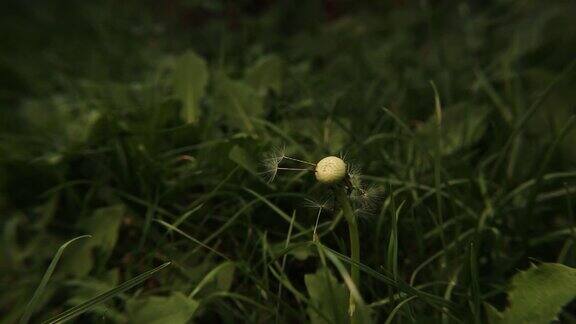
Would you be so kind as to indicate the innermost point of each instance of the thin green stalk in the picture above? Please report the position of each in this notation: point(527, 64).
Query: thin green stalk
point(344, 202)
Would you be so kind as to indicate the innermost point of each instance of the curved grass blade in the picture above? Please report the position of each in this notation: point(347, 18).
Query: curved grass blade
point(47, 275)
point(433, 300)
point(390, 318)
point(84, 307)
point(210, 277)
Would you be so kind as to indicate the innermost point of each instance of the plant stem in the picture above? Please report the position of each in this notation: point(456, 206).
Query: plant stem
point(344, 202)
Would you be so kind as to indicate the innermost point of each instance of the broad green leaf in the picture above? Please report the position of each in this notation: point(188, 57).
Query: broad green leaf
point(362, 313)
point(327, 297)
point(221, 277)
point(65, 118)
point(301, 253)
point(330, 134)
point(174, 309)
point(238, 103)
point(103, 225)
point(461, 127)
point(225, 276)
point(80, 261)
point(266, 74)
point(190, 80)
point(538, 294)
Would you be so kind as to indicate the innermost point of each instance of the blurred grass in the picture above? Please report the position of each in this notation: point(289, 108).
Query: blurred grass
point(145, 125)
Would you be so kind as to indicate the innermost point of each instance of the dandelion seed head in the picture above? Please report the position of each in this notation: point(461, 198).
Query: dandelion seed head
point(330, 170)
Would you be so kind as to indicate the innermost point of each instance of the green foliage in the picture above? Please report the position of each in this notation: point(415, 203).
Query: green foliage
point(266, 74)
point(328, 298)
point(461, 127)
point(176, 308)
point(42, 286)
point(240, 156)
point(238, 103)
point(538, 294)
point(101, 298)
point(146, 125)
point(219, 279)
point(103, 226)
point(85, 290)
point(190, 80)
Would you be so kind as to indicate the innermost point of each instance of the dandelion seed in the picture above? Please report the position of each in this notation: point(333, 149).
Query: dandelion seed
point(368, 199)
point(310, 203)
point(272, 162)
point(354, 176)
point(321, 207)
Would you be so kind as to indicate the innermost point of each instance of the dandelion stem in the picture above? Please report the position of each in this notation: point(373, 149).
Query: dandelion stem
point(344, 202)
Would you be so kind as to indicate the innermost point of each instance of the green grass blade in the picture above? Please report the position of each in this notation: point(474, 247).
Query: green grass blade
point(276, 209)
point(433, 300)
point(529, 113)
point(438, 164)
point(544, 165)
point(177, 230)
point(475, 286)
point(397, 308)
point(84, 307)
point(47, 275)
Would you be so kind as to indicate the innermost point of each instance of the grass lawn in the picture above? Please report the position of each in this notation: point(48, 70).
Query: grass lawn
point(159, 161)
